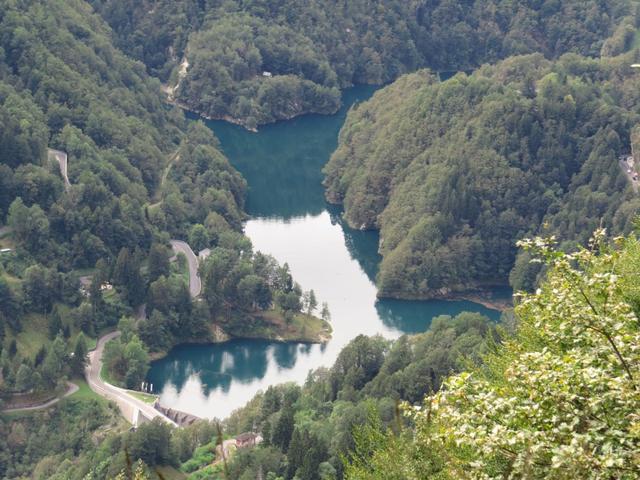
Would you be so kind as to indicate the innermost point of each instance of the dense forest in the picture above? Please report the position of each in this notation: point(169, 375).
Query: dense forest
point(83, 258)
point(563, 368)
point(454, 172)
point(550, 393)
point(307, 430)
point(558, 400)
point(256, 61)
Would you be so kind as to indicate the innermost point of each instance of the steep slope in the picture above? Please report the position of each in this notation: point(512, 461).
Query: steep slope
point(453, 173)
point(558, 400)
point(66, 92)
point(306, 431)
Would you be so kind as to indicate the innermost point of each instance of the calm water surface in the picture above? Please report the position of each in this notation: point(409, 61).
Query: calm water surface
point(291, 221)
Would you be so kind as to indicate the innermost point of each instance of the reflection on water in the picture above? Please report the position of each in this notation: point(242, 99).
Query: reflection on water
point(292, 222)
point(283, 162)
point(362, 246)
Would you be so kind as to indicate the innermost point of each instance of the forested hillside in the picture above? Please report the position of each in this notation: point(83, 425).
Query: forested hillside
point(453, 173)
point(82, 258)
point(309, 49)
point(308, 430)
point(551, 393)
point(64, 86)
point(558, 400)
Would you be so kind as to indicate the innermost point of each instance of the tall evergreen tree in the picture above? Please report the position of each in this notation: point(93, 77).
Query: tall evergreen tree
point(283, 429)
point(79, 358)
point(158, 262)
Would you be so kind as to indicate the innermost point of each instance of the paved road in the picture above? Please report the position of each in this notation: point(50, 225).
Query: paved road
point(61, 158)
point(625, 168)
point(71, 389)
point(195, 285)
point(129, 405)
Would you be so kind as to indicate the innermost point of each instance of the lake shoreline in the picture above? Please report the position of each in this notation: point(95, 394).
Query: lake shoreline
point(241, 123)
point(481, 297)
point(219, 337)
point(290, 220)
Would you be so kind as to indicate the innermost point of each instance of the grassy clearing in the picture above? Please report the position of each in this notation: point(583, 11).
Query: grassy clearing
point(14, 282)
point(91, 343)
point(168, 473)
point(110, 295)
point(636, 40)
point(202, 456)
point(311, 327)
point(84, 272)
point(34, 334)
point(301, 327)
point(210, 472)
point(7, 242)
point(85, 393)
point(31, 399)
point(13, 416)
point(272, 324)
point(145, 397)
point(105, 376)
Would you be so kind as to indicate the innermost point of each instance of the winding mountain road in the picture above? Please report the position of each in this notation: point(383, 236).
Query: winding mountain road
point(62, 159)
point(130, 406)
point(195, 285)
point(630, 172)
point(71, 389)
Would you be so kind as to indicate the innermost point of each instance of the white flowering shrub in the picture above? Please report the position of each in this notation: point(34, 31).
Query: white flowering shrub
point(560, 400)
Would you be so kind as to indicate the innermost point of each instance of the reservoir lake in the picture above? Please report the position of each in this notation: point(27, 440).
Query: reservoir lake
point(290, 220)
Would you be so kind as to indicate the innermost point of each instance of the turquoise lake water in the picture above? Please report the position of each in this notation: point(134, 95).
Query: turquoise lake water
point(291, 221)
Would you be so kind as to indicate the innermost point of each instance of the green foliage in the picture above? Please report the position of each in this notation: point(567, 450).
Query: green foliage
point(63, 85)
point(453, 173)
point(171, 316)
point(559, 400)
point(127, 363)
point(79, 358)
point(126, 274)
point(310, 48)
point(10, 307)
point(237, 281)
point(202, 188)
point(24, 378)
point(29, 224)
point(82, 96)
point(198, 237)
point(307, 431)
point(151, 443)
point(158, 262)
point(36, 445)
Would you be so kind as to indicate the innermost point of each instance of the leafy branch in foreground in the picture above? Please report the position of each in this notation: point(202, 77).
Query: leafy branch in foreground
point(560, 399)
